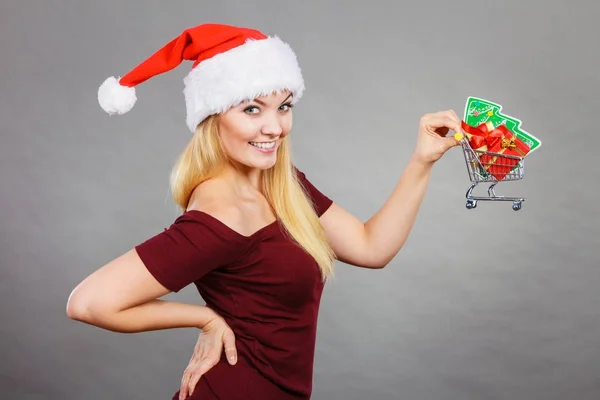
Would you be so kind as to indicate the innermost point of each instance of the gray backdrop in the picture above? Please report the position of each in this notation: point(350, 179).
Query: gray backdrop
point(480, 304)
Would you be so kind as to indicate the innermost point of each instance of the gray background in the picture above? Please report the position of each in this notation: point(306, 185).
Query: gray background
point(481, 304)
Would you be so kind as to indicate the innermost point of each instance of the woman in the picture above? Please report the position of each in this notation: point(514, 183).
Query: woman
point(256, 238)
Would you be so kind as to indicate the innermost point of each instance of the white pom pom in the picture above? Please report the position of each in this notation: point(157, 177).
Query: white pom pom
point(115, 98)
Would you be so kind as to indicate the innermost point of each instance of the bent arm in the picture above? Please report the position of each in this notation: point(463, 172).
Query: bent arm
point(375, 243)
point(122, 296)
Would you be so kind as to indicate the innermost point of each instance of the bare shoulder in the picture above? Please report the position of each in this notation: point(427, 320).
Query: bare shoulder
point(213, 198)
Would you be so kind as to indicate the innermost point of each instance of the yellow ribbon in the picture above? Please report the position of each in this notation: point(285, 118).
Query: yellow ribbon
point(505, 144)
point(509, 143)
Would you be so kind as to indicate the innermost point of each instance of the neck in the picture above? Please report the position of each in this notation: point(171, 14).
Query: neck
point(243, 180)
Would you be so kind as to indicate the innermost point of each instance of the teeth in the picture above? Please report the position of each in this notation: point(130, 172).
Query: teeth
point(263, 145)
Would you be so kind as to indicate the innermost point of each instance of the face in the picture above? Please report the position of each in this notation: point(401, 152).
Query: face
point(252, 131)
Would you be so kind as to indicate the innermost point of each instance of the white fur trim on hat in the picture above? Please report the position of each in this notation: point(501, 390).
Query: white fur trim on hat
point(256, 68)
point(115, 98)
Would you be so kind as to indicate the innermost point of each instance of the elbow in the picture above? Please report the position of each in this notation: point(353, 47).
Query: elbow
point(377, 263)
point(381, 262)
point(381, 265)
point(77, 308)
point(82, 307)
point(368, 262)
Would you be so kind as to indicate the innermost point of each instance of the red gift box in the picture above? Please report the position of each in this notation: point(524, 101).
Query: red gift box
point(508, 144)
point(480, 139)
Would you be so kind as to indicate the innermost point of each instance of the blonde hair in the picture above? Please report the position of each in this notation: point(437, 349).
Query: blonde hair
point(204, 158)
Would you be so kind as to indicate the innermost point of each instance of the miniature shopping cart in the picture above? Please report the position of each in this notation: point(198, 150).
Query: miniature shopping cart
point(484, 167)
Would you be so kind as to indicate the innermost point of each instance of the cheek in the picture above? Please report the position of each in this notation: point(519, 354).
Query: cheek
point(237, 135)
point(286, 125)
point(234, 145)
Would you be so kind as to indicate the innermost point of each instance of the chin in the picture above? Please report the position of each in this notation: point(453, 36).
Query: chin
point(257, 161)
point(252, 164)
point(267, 165)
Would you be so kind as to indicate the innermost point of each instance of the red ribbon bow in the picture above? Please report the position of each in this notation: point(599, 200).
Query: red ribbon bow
point(484, 134)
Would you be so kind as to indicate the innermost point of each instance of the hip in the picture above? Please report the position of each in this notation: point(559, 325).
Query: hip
point(237, 382)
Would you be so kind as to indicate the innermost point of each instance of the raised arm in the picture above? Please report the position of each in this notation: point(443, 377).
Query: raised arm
point(375, 243)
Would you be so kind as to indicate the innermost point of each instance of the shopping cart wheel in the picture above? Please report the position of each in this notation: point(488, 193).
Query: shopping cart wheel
point(471, 204)
point(516, 205)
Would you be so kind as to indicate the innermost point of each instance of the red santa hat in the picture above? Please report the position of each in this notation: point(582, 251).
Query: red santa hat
point(231, 65)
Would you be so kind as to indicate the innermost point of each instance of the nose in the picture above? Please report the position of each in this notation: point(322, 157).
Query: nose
point(272, 125)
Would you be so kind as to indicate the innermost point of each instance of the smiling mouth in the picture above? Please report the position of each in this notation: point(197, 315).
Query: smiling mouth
point(263, 145)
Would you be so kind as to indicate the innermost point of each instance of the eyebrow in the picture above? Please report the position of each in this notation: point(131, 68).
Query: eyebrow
point(263, 104)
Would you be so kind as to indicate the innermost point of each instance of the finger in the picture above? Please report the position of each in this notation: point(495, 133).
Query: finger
point(206, 356)
point(229, 345)
point(452, 114)
point(193, 382)
point(441, 124)
point(458, 119)
point(206, 364)
point(452, 123)
point(183, 389)
point(199, 368)
point(437, 120)
point(452, 141)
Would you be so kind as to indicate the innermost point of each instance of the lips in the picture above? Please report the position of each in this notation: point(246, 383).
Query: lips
point(262, 147)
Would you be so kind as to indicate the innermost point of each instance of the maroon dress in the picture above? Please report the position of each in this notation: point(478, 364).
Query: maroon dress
point(266, 288)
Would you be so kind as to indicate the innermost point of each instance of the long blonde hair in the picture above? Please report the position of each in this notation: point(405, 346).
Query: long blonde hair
point(204, 158)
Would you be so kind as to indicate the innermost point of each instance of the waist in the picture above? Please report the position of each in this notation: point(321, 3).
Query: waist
point(287, 366)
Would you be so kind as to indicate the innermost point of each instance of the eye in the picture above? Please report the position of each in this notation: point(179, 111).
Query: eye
point(286, 107)
point(251, 110)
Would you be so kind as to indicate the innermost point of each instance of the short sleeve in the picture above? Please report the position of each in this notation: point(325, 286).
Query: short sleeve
point(320, 201)
point(190, 248)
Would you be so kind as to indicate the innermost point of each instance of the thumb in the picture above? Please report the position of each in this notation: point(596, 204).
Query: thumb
point(452, 141)
point(229, 345)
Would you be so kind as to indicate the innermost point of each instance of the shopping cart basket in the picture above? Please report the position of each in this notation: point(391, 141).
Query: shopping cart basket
point(485, 166)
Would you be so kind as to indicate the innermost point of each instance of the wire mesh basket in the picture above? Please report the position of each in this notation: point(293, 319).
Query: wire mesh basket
point(485, 166)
